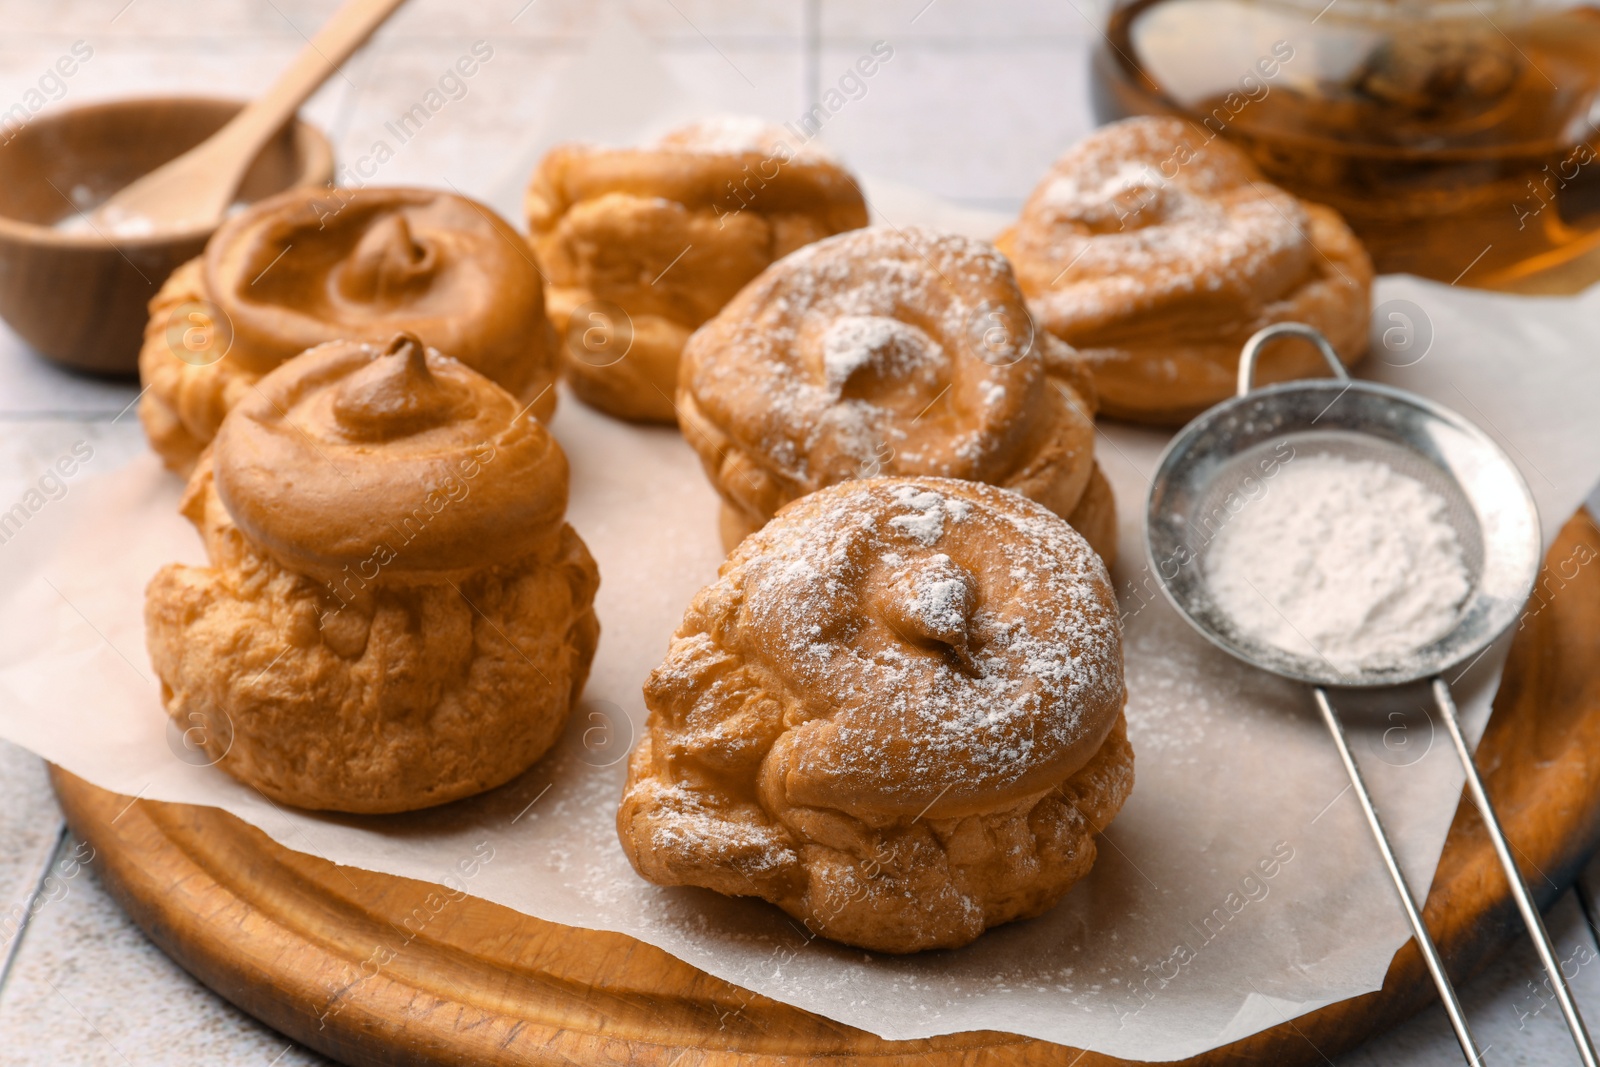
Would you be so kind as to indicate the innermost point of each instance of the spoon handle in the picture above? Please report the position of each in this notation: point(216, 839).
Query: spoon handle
point(197, 187)
point(320, 59)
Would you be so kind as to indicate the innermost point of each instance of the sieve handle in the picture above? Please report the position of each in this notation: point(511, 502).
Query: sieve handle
point(1408, 899)
point(1519, 885)
point(1252, 350)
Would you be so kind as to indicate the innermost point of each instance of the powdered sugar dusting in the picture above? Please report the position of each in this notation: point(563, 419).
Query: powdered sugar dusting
point(740, 135)
point(941, 597)
point(1346, 561)
point(1142, 212)
point(955, 637)
point(856, 342)
point(925, 518)
point(854, 354)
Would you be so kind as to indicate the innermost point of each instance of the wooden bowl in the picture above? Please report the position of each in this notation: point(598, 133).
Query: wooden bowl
point(80, 297)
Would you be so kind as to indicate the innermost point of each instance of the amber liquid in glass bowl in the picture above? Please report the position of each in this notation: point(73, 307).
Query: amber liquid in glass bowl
point(1458, 137)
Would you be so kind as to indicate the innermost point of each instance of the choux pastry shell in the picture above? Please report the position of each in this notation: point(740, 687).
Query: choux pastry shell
point(642, 245)
point(395, 614)
point(316, 265)
point(897, 714)
point(889, 351)
point(1157, 251)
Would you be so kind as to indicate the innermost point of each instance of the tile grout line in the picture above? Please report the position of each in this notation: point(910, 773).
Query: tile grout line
point(14, 946)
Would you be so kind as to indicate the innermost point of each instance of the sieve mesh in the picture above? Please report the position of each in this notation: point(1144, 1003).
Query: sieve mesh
point(1227, 458)
point(1238, 482)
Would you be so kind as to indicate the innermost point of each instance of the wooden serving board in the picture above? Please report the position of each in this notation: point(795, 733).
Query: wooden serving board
point(321, 952)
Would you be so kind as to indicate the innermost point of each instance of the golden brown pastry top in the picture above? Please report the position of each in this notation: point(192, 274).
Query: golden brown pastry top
point(316, 265)
point(396, 459)
point(937, 646)
point(715, 201)
point(1146, 226)
point(714, 163)
point(884, 350)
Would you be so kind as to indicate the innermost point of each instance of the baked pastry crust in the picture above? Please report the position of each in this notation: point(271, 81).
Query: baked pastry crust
point(316, 265)
point(1157, 251)
point(888, 351)
point(426, 639)
point(648, 243)
point(897, 714)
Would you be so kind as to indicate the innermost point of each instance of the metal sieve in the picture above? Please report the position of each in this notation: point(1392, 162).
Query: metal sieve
point(1215, 467)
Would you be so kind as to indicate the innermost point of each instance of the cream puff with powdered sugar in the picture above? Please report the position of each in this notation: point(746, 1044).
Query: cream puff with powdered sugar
point(1157, 251)
point(889, 351)
point(897, 714)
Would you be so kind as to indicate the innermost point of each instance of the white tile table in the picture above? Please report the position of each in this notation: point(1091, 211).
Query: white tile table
point(975, 102)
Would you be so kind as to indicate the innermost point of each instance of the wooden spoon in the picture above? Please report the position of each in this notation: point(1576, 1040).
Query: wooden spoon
point(196, 188)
